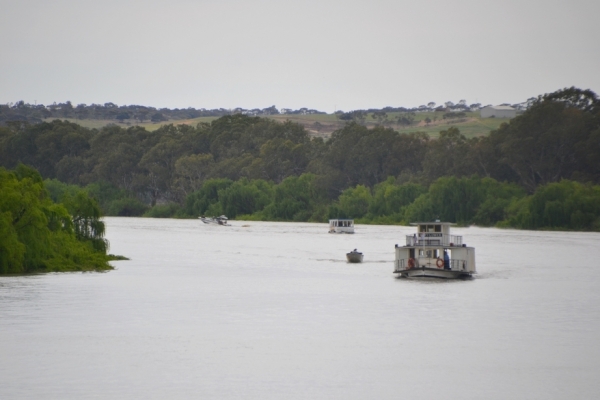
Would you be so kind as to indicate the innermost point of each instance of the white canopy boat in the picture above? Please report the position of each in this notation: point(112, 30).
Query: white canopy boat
point(341, 225)
point(434, 253)
point(222, 220)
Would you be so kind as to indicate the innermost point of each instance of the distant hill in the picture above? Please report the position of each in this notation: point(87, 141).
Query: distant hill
point(322, 125)
point(422, 119)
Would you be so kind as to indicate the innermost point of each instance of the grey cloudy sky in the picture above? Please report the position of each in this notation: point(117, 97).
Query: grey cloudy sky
point(323, 54)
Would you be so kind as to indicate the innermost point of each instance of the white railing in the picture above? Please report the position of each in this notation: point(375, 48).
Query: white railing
point(403, 263)
point(433, 239)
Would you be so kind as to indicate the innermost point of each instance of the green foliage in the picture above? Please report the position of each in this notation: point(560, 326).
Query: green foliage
point(245, 197)
point(87, 225)
point(295, 199)
point(37, 234)
point(126, 207)
point(390, 198)
point(57, 189)
point(259, 167)
point(552, 140)
point(105, 193)
point(12, 250)
point(110, 199)
point(353, 203)
point(562, 205)
point(464, 201)
point(199, 202)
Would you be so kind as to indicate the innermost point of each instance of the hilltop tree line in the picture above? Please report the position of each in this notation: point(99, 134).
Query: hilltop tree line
point(36, 113)
point(243, 165)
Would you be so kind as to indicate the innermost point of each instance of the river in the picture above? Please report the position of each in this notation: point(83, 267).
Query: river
point(263, 310)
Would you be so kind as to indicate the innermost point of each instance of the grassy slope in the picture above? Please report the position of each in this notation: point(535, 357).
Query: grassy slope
point(470, 126)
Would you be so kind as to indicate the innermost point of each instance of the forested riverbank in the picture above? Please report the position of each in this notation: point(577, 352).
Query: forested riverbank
point(540, 170)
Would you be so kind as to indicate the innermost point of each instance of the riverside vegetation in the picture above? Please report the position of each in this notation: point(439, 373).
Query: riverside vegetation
point(539, 170)
point(39, 235)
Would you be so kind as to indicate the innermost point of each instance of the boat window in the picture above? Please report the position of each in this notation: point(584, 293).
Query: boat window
point(429, 228)
point(422, 228)
point(438, 228)
point(427, 253)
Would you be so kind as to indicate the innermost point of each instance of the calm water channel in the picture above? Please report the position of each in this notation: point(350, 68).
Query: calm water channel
point(272, 311)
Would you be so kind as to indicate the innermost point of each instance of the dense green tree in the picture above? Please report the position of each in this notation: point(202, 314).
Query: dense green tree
point(449, 155)
point(159, 165)
point(389, 198)
point(158, 117)
point(368, 156)
point(191, 171)
point(199, 202)
point(544, 144)
point(560, 205)
point(295, 199)
point(245, 197)
point(281, 158)
point(460, 200)
point(353, 203)
point(86, 214)
point(116, 154)
point(38, 234)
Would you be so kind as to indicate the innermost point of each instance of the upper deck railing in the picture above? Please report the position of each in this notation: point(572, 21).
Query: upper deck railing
point(433, 239)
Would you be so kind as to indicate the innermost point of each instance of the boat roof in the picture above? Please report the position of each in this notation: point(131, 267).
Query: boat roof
point(341, 219)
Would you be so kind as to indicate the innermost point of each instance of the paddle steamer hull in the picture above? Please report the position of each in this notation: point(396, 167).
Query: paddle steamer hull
point(424, 272)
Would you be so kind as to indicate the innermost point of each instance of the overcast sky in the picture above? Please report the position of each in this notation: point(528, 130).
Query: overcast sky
point(322, 54)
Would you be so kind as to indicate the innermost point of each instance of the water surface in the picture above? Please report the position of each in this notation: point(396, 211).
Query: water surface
point(273, 311)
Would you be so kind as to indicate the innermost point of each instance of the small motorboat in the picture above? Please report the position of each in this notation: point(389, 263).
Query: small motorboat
point(354, 256)
point(222, 220)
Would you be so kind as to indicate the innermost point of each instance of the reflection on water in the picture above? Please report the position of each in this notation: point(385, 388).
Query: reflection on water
point(273, 310)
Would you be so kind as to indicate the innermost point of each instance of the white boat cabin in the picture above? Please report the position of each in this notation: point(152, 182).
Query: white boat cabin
point(433, 252)
point(341, 226)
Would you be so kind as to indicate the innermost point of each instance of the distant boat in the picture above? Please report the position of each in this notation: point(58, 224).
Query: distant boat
point(341, 226)
point(354, 256)
point(433, 252)
point(222, 220)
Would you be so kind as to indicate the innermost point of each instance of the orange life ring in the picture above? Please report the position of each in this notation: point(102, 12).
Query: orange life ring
point(411, 263)
point(439, 263)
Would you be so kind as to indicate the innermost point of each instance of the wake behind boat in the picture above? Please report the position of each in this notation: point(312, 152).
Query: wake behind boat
point(434, 253)
point(222, 220)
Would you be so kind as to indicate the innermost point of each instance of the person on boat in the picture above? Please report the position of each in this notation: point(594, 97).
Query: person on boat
point(446, 260)
point(414, 239)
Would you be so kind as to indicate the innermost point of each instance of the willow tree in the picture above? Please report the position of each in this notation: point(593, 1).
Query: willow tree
point(37, 234)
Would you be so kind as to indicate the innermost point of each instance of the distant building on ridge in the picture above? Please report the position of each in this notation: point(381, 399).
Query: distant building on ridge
point(498, 112)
